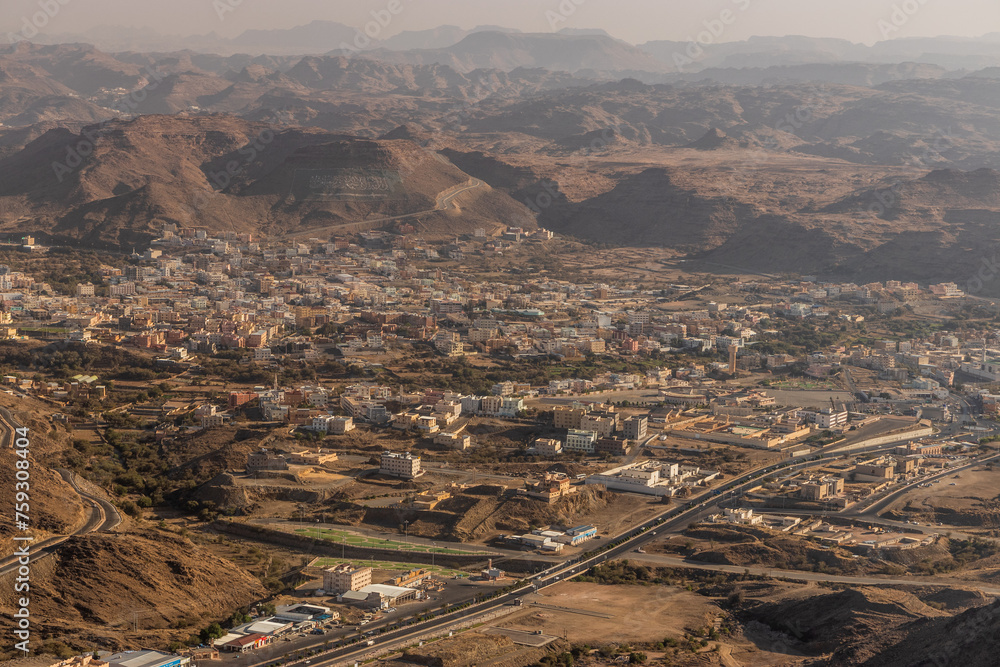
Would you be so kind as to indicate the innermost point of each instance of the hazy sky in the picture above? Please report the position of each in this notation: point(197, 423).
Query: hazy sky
point(632, 20)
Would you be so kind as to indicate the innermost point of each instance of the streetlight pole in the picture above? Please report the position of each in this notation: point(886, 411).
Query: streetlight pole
point(433, 546)
point(406, 532)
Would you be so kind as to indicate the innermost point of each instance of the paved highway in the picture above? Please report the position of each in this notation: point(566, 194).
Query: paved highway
point(106, 515)
point(882, 503)
point(676, 518)
point(670, 521)
point(103, 515)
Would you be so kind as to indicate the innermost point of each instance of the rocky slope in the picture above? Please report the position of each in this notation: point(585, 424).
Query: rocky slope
point(119, 182)
point(94, 588)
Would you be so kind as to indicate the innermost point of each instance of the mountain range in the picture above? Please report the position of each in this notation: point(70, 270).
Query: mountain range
point(850, 169)
point(761, 52)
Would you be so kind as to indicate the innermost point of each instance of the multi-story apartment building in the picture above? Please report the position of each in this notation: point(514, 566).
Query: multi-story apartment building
point(580, 441)
point(821, 489)
point(264, 459)
point(602, 426)
point(565, 416)
point(345, 577)
point(340, 425)
point(547, 447)
point(406, 466)
point(611, 446)
point(490, 405)
point(634, 428)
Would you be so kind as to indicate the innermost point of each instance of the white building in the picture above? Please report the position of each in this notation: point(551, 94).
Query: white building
point(580, 441)
point(406, 466)
point(646, 477)
point(457, 441)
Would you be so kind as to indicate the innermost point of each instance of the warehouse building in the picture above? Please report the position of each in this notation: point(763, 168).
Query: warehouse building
point(146, 658)
point(379, 596)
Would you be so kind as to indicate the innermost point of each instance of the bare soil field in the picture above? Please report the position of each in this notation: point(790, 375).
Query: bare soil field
point(581, 612)
point(640, 617)
point(968, 500)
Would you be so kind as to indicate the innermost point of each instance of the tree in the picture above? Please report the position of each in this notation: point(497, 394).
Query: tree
point(213, 631)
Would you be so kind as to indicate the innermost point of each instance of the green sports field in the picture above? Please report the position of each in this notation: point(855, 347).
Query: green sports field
point(356, 540)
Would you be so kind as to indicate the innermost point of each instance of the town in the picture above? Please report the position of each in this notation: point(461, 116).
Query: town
point(390, 404)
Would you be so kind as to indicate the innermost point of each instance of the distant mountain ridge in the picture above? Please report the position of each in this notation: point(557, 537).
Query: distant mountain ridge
point(564, 52)
point(318, 37)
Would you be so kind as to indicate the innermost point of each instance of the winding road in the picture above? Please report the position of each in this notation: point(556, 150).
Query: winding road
point(103, 516)
point(444, 201)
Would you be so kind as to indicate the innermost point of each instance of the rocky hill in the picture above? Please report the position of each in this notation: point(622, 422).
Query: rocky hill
point(119, 182)
point(857, 624)
point(94, 588)
point(969, 638)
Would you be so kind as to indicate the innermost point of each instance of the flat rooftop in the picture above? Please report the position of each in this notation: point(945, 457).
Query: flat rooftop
point(144, 658)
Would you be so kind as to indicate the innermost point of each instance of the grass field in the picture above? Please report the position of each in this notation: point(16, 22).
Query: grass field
point(389, 565)
point(355, 540)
